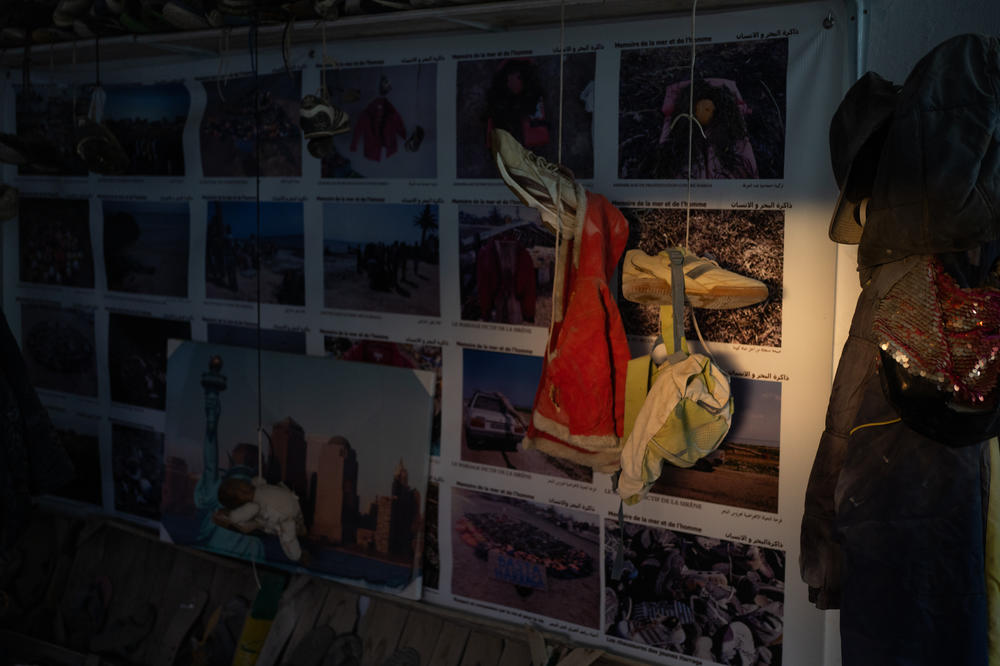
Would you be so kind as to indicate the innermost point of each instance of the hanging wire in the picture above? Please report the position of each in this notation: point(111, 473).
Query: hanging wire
point(557, 298)
point(254, 62)
point(691, 122)
point(687, 212)
point(222, 76)
point(323, 93)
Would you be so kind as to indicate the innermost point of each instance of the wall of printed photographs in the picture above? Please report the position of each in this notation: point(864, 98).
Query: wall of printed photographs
point(372, 252)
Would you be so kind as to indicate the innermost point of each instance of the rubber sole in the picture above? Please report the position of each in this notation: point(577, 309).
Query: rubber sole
point(655, 291)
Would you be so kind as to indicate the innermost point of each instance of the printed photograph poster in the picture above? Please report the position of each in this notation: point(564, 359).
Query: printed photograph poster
point(44, 115)
point(400, 355)
point(506, 264)
point(292, 342)
point(137, 357)
point(382, 257)
point(233, 108)
point(146, 247)
point(432, 552)
point(54, 242)
point(743, 471)
point(339, 484)
point(137, 466)
point(498, 391)
point(750, 243)
point(147, 120)
point(233, 256)
point(393, 122)
point(718, 600)
point(521, 96)
point(79, 436)
point(529, 556)
point(59, 347)
point(739, 111)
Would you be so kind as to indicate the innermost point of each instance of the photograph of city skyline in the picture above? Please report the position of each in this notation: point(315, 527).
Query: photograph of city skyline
point(349, 440)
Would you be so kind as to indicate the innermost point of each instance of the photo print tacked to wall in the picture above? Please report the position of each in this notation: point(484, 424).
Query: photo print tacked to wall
point(137, 357)
point(228, 126)
point(739, 111)
point(432, 551)
point(345, 465)
point(54, 242)
point(381, 257)
point(292, 342)
point(392, 131)
point(233, 258)
point(147, 121)
point(146, 247)
point(748, 242)
point(718, 600)
point(78, 434)
point(45, 122)
point(743, 471)
point(521, 96)
point(59, 347)
point(397, 354)
point(137, 464)
point(506, 262)
point(498, 392)
point(528, 556)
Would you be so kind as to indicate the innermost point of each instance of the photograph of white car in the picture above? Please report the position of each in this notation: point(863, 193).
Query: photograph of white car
point(492, 423)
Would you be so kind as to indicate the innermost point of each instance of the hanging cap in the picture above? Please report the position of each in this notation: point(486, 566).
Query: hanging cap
point(937, 188)
point(857, 134)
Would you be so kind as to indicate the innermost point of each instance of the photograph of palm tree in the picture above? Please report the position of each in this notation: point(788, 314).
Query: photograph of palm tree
point(381, 257)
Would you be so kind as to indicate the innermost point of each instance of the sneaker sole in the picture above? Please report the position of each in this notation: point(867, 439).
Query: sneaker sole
point(653, 291)
point(343, 129)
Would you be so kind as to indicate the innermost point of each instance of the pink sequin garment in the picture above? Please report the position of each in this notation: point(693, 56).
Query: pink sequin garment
point(946, 334)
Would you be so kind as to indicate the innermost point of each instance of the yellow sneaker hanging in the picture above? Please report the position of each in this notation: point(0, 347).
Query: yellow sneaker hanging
point(678, 406)
point(647, 279)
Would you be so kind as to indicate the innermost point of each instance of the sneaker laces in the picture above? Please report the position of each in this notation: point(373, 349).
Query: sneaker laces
point(551, 167)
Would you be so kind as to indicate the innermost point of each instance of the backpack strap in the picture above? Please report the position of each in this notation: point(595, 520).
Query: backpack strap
point(673, 337)
point(638, 378)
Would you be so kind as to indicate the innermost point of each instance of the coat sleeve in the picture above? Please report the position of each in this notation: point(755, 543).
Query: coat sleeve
point(820, 556)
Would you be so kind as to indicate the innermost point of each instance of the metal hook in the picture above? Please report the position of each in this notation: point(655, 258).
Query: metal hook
point(829, 21)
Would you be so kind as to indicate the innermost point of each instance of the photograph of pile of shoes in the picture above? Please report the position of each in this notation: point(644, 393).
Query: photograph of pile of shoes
point(48, 21)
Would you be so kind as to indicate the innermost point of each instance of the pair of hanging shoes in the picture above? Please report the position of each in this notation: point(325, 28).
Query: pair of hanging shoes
point(413, 143)
point(99, 149)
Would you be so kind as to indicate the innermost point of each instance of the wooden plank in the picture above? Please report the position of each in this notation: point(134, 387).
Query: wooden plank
point(421, 633)
point(450, 645)
point(308, 602)
point(284, 622)
point(340, 610)
point(84, 570)
point(124, 562)
point(184, 600)
point(379, 630)
point(482, 649)
point(159, 562)
point(515, 653)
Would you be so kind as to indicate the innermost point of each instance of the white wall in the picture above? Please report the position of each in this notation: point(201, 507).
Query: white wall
point(901, 31)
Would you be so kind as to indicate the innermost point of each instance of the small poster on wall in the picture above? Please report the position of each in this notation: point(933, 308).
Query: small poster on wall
point(338, 482)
